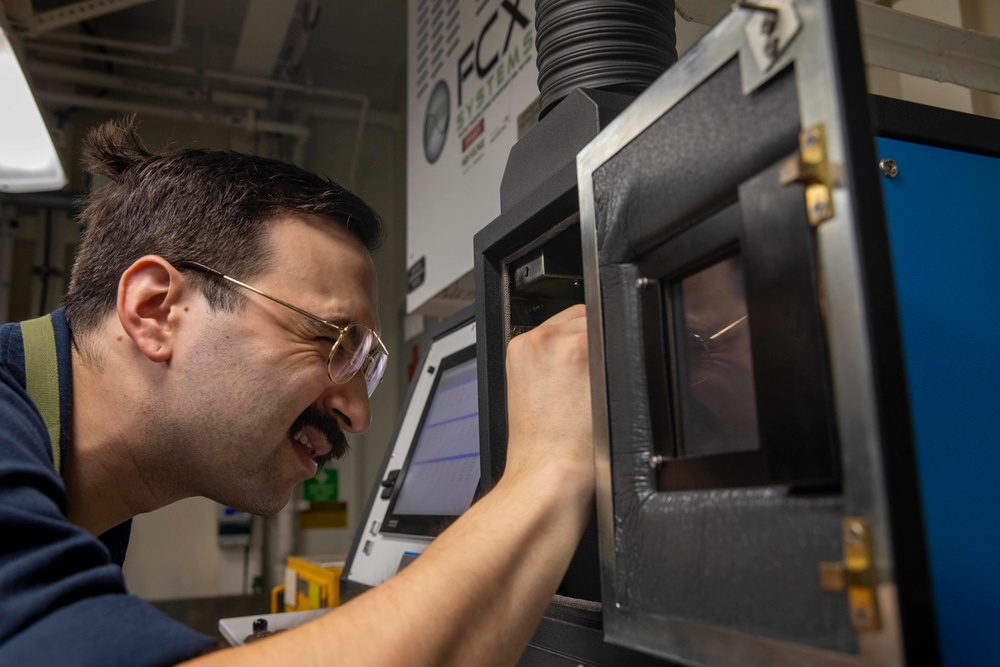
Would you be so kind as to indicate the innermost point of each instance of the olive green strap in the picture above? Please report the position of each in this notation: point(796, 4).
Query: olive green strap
point(41, 370)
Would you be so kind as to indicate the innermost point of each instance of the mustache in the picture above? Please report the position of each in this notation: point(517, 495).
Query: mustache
point(326, 425)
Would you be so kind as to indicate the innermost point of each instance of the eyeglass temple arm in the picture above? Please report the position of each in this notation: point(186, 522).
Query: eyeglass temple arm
point(219, 274)
point(722, 331)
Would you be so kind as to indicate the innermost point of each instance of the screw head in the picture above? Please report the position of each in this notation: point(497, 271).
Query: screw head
point(855, 532)
point(889, 167)
point(771, 47)
point(819, 209)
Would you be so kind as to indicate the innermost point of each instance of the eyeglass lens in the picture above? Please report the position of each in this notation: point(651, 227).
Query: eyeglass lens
point(354, 352)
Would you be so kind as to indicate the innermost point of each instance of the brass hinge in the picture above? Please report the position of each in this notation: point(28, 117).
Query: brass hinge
point(811, 166)
point(855, 575)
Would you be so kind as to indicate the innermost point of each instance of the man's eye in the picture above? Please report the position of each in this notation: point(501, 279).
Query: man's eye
point(354, 335)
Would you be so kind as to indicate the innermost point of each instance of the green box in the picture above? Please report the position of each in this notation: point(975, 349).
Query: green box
point(322, 487)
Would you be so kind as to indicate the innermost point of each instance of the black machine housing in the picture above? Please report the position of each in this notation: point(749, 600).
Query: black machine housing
point(710, 539)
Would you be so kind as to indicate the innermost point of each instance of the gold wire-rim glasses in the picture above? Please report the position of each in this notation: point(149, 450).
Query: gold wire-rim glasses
point(706, 340)
point(372, 362)
point(704, 343)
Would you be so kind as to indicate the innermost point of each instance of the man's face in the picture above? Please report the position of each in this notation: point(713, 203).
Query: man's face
point(260, 411)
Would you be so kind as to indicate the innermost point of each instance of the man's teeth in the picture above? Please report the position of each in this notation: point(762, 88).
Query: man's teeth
point(302, 438)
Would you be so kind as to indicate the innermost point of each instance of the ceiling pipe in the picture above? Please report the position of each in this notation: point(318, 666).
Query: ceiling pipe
point(311, 91)
point(390, 121)
point(362, 100)
point(69, 14)
point(175, 43)
point(41, 70)
point(198, 73)
point(247, 121)
point(78, 75)
point(363, 117)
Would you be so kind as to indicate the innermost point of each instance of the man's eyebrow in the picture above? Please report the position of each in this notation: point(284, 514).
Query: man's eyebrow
point(321, 329)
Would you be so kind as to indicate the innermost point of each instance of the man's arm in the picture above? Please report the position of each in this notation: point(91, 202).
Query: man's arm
point(476, 594)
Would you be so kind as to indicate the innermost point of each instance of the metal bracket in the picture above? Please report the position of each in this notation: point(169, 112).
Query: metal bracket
point(771, 29)
point(855, 575)
point(811, 166)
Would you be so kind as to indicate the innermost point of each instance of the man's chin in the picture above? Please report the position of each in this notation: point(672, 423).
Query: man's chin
point(261, 505)
point(272, 508)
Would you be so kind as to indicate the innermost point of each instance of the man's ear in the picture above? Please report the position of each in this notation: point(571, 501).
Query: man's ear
point(148, 296)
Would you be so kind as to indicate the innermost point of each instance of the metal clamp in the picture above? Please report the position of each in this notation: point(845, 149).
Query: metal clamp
point(771, 29)
point(855, 575)
point(811, 167)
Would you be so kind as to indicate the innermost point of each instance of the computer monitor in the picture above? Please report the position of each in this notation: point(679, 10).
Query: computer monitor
point(430, 472)
point(439, 478)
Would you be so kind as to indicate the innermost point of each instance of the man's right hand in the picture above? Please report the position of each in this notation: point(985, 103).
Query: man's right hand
point(548, 400)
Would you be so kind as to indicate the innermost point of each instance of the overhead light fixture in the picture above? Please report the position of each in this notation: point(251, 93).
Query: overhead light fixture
point(28, 158)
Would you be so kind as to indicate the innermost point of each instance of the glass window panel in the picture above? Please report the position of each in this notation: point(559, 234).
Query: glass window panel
point(717, 405)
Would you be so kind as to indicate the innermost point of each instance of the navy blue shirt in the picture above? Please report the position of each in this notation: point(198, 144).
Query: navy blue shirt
point(62, 595)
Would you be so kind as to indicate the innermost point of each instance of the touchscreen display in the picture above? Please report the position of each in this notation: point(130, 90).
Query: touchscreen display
point(444, 469)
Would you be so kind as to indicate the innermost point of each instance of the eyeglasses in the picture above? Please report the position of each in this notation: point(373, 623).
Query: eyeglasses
point(700, 347)
point(355, 348)
point(706, 341)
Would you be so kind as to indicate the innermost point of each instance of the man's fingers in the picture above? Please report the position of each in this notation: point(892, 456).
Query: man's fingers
point(577, 312)
point(569, 322)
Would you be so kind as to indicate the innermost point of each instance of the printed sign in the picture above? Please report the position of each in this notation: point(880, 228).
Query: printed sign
point(471, 77)
point(415, 274)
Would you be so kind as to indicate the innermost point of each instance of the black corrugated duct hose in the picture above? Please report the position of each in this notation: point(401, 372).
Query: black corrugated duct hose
point(615, 45)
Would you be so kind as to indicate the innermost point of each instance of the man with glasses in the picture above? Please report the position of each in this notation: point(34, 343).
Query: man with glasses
point(219, 336)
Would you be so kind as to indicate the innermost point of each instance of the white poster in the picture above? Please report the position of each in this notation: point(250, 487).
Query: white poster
point(471, 75)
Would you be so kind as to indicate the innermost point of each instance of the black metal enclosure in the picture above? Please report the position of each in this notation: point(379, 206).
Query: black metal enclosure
point(764, 511)
point(593, 58)
point(531, 256)
point(751, 428)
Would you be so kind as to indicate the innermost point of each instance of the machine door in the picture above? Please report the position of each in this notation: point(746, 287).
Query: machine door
point(753, 440)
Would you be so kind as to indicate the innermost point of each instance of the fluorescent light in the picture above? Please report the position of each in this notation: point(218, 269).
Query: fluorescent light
point(28, 158)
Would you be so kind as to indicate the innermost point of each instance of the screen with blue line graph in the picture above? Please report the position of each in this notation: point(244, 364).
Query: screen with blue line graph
point(441, 474)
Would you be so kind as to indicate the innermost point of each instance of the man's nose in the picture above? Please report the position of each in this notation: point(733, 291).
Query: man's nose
point(349, 404)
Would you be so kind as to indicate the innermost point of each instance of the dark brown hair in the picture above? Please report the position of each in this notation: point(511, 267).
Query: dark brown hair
point(207, 206)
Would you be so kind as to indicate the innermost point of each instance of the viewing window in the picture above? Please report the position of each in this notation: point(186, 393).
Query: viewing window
point(716, 401)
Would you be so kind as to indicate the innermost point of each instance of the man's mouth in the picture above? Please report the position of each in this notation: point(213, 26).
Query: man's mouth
point(320, 435)
point(304, 438)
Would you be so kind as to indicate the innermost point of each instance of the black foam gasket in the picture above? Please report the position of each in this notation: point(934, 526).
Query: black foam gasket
point(691, 160)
